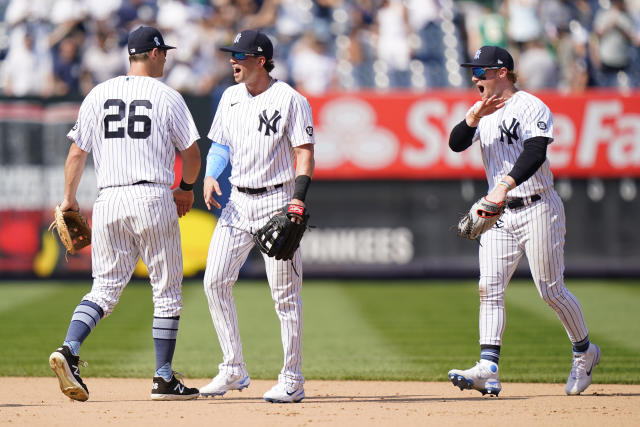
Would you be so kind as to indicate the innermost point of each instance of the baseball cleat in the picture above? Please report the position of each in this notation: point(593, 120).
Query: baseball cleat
point(66, 367)
point(482, 377)
point(280, 393)
point(172, 390)
point(223, 383)
point(581, 370)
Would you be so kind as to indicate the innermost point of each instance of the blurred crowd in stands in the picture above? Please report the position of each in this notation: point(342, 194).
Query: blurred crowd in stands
point(65, 47)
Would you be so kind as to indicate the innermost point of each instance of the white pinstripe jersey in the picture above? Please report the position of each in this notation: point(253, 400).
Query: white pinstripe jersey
point(133, 124)
point(502, 135)
point(261, 132)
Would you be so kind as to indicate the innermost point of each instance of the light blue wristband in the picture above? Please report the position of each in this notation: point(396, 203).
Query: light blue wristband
point(217, 159)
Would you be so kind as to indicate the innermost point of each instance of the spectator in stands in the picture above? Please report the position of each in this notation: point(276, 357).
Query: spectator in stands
point(103, 59)
point(523, 20)
point(66, 67)
point(313, 70)
point(615, 36)
point(538, 67)
point(24, 72)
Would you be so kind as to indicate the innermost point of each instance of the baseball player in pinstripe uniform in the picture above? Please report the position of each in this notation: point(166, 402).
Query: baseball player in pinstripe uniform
point(513, 129)
point(133, 124)
point(265, 128)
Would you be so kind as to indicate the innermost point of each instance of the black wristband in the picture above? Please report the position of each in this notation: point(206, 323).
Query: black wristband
point(184, 186)
point(302, 185)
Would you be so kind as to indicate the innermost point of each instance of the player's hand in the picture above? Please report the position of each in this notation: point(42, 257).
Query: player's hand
point(487, 106)
point(184, 201)
point(69, 205)
point(211, 185)
point(498, 194)
point(299, 203)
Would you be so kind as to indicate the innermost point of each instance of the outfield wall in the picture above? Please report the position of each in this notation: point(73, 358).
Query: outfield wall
point(386, 193)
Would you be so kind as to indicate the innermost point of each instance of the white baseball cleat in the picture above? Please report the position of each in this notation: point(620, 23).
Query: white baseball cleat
point(482, 377)
point(280, 393)
point(581, 370)
point(223, 382)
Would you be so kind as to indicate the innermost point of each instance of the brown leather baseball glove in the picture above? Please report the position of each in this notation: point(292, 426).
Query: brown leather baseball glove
point(73, 229)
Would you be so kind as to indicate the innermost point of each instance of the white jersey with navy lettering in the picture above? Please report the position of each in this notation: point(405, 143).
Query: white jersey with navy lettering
point(133, 125)
point(261, 133)
point(535, 226)
point(502, 135)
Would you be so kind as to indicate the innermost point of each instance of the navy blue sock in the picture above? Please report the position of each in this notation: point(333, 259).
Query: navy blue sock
point(84, 319)
point(165, 332)
point(581, 346)
point(490, 352)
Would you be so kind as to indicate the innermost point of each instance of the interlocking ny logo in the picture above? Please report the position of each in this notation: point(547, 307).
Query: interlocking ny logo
point(510, 132)
point(271, 124)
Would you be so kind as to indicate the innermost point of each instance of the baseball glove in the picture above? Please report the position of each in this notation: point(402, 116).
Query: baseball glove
point(481, 217)
point(73, 229)
point(280, 237)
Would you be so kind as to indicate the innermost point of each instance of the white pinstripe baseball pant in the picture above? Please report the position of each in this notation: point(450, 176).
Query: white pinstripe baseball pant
point(537, 231)
point(130, 222)
point(230, 245)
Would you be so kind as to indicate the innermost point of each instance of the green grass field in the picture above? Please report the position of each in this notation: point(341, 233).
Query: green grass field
point(386, 330)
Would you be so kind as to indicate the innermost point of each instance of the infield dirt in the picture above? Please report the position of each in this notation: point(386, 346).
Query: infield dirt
point(125, 402)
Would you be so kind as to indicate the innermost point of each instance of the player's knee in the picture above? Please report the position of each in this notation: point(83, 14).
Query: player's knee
point(490, 288)
point(555, 297)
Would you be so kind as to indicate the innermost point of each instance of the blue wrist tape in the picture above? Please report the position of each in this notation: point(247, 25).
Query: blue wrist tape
point(217, 159)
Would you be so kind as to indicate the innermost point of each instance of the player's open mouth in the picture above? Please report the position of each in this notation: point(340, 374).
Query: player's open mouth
point(236, 70)
point(481, 88)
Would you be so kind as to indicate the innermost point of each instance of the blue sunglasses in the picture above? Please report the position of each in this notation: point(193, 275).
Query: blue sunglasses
point(240, 56)
point(481, 72)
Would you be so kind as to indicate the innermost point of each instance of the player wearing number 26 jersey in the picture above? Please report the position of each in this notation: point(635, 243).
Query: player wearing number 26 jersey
point(133, 125)
point(513, 129)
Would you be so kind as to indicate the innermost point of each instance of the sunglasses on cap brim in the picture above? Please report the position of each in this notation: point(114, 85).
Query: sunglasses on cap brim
point(481, 72)
point(241, 56)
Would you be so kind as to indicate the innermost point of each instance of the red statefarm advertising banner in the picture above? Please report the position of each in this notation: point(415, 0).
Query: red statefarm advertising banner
point(405, 135)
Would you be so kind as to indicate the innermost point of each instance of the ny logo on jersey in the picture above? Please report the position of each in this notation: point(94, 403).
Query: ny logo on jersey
point(511, 131)
point(271, 124)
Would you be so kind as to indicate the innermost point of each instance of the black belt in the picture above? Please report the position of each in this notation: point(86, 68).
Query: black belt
point(258, 190)
point(519, 202)
point(141, 182)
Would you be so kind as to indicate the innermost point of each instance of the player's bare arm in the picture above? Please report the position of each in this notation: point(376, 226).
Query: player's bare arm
point(73, 168)
point(183, 195)
point(305, 164)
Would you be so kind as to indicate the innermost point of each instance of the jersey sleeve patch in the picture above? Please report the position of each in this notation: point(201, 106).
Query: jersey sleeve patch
point(542, 126)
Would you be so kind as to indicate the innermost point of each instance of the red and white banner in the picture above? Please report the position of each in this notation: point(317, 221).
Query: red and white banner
point(405, 135)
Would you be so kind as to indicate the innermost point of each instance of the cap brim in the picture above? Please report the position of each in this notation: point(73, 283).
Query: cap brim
point(472, 64)
point(167, 47)
point(234, 49)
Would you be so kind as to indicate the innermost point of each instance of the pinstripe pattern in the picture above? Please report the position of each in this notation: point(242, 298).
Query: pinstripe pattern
point(133, 125)
point(128, 223)
point(230, 245)
point(536, 230)
point(500, 156)
point(127, 160)
point(261, 133)
point(257, 159)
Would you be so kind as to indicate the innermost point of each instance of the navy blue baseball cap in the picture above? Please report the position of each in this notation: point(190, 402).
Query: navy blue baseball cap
point(253, 42)
point(491, 56)
point(143, 39)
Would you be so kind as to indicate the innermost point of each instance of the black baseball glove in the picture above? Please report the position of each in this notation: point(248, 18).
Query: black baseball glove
point(481, 217)
point(280, 237)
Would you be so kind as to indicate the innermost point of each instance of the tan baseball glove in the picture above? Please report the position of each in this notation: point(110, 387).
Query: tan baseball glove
point(481, 217)
point(73, 229)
